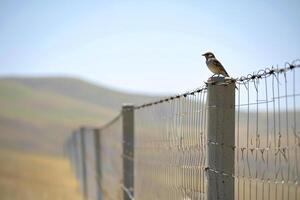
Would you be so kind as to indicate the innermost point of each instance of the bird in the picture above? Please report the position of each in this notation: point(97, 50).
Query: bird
point(214, 65)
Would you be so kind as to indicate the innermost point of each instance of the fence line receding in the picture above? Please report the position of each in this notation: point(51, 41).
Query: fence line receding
point(209, 143)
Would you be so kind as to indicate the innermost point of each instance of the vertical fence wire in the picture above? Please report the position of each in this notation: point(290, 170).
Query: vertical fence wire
point(92, 173)
point(111, 160)
point(171, 143)
point(170, 148)
point(267, 138)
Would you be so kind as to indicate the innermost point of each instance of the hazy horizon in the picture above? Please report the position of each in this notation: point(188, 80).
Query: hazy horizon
point(145, 47)
point(91, 82)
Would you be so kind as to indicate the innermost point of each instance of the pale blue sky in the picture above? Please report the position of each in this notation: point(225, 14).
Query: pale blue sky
point(145, 46)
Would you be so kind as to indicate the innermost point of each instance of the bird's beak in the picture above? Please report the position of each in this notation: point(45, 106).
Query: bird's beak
point(203, 54)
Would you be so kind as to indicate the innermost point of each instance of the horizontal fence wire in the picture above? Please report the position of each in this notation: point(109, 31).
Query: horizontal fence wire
point(111, 159)
point(91, 159)
point(267, 135)
point(170, 148)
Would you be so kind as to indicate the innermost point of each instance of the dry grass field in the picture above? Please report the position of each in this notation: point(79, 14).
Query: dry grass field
point(37, 114)
point(25, 176)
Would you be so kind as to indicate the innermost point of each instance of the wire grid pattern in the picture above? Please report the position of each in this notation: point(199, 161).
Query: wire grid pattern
point(171, 142)
point(170, 148)
point(111, 160)
point(92, 173)
point(267, 135)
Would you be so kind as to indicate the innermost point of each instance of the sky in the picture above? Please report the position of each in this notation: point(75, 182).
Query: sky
point(145, 46)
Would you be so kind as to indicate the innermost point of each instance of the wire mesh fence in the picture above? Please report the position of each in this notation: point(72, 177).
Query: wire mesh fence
point(110, 155)
point(91, 158)
point(267, 137)
point(169, 156)
point(170, 148)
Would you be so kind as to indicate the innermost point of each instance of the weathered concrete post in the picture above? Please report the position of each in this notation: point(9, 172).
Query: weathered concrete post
point(221, 111)
point(128, 151)
point(83, 162)
point(97, 138)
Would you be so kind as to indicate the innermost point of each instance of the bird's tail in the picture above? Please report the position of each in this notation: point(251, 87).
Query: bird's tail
point(225, 73)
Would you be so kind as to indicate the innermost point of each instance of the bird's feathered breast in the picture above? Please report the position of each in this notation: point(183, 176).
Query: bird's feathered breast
point(216, 67)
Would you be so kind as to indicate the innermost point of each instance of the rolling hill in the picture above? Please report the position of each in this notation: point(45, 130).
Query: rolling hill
point(36, 114)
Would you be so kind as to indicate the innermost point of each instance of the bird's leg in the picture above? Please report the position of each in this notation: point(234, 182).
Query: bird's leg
point(211, 77)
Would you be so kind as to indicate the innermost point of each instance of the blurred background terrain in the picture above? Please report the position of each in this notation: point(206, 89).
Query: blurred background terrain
point(65, 64)
point(35, 177)
point(37, 114)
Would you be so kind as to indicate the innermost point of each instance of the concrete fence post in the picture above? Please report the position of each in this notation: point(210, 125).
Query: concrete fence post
point(97, 138)
point(83, 162)
point(220, 130)
point(72, 150)
point(128, 151)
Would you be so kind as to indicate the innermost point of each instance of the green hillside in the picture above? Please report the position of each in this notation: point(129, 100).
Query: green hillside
point(38, 113)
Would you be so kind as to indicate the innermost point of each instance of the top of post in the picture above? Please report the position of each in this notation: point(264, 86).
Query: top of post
point(220, 80)
point(97, 130)
point(127, 106)
point(82, 129)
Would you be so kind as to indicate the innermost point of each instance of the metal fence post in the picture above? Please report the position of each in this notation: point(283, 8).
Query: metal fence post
point(220, 130)
point(128, 151)
point(83, 162)
point(97, 138)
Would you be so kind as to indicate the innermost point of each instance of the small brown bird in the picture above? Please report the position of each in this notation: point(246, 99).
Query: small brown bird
point(214, 65)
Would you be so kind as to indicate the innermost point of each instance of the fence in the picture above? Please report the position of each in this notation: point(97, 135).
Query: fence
point(230, 139)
